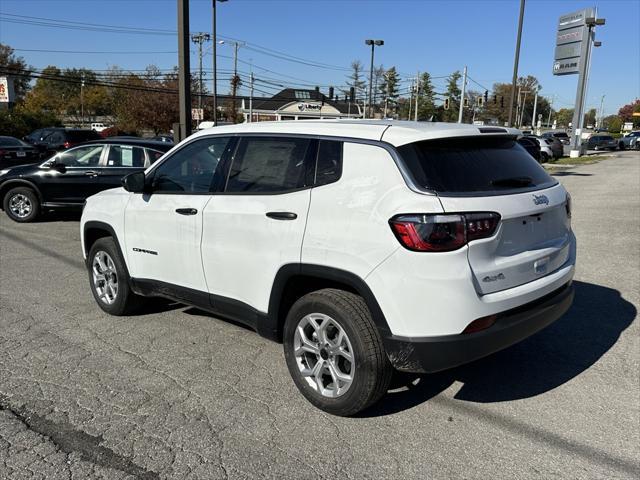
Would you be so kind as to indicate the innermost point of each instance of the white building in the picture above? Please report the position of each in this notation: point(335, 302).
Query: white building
point(299, 104)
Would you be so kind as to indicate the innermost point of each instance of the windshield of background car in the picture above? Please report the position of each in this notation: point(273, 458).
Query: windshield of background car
point(11, 142)
point(473, 164)
point(561, 135)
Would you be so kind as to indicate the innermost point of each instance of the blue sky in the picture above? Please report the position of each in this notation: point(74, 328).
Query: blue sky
point(437, 36)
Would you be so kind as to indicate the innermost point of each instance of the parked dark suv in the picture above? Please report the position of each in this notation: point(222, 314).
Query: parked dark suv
point(52, 140)
point(68, 178)
point(602, 142)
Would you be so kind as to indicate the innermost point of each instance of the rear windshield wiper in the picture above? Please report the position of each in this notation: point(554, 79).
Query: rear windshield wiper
point(512, 182)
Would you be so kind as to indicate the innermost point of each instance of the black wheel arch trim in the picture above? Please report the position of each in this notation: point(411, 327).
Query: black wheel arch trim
point(96, 225)
point(19, 182)
point(271, 327)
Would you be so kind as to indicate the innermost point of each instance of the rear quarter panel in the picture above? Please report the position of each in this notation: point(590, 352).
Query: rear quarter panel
point(348, 224)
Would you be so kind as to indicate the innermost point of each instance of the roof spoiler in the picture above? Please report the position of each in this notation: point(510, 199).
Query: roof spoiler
point(492, 130)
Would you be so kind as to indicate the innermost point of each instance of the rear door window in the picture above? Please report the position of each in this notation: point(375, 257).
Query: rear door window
point(270, 165)
point(125, 156)
point(490, 165)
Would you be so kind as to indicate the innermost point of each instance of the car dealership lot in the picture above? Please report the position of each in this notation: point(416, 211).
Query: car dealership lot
point(175, 393)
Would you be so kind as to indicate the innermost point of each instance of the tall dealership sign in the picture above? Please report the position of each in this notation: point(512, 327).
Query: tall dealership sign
point(574, 41)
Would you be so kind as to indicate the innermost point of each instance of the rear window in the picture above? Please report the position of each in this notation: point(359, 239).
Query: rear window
point(561, 135)
point(474, 164)
point(81, 136)
point(10, 142)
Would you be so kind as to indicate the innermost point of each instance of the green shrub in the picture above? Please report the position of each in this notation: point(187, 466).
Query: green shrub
point(16, 123)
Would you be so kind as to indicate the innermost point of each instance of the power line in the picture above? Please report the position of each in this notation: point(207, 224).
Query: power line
point(70, 25)
point(90, 52)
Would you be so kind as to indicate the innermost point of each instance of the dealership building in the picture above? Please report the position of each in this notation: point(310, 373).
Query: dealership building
point(299, 104)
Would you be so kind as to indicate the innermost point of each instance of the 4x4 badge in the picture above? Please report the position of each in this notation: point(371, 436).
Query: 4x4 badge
point(541, 200)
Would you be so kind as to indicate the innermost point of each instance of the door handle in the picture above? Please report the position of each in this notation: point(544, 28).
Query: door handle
point(91, 173)
point(186, 211)
point(282, 215)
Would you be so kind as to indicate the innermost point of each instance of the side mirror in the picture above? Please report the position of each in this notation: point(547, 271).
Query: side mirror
point(134, 182)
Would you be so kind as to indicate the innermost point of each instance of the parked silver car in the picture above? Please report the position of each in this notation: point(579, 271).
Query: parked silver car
point(630, 140)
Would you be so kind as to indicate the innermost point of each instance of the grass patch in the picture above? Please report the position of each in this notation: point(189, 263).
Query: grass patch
point(584, 160)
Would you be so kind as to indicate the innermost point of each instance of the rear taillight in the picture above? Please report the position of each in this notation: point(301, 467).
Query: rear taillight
point(67, 144)
point(442, 232)
point(2, 152)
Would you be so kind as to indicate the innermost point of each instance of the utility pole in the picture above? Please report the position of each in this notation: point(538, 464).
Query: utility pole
point(515, 63)
point(200, 38)
point(535, 109)
point(410, 100)
point(82, 97)
point(550, 109)
point(215, 65)
point(417, 95)
point(524, 103)
point(235, 80)
point(464, 87)
point(251, 98)
point(184, 92)
point(518, 105)
point(599, 122)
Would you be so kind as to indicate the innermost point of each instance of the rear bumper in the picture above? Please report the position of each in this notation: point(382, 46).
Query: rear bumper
point(432, 354)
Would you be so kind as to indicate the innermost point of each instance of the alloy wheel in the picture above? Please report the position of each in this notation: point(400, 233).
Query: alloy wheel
point(105, 277)
point(20, 205)
point(324, 355)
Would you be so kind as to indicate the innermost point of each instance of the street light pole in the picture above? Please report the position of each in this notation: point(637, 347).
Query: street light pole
point(373, 44)
point(515, 63)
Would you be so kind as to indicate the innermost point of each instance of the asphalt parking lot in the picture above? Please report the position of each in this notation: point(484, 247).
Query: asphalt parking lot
point(175, 393)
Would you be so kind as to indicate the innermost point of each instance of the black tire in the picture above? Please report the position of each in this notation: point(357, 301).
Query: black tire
point(125, 301)
point(31, 199)
point(621, 145)
point(544, 157)
point(373, 371)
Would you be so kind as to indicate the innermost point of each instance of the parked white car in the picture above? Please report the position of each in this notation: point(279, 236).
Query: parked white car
point(364, 246)
point(98, 127)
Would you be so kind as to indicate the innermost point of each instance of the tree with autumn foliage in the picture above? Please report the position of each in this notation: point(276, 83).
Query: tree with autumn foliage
point(626, 113)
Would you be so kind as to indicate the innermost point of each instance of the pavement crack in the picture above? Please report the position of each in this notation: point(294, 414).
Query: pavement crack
point(70, 440)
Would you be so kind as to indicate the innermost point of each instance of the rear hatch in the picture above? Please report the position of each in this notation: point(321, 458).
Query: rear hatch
point(495, 174)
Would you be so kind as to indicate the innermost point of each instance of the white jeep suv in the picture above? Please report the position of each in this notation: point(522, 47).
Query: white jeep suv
point(363, 246)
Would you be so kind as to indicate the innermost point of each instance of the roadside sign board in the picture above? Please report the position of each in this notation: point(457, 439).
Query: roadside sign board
point(574, 19)
point(571, 38)
point(197, 114)
point(6, 90)
point(571, 35)
point(566, 66)
point(570, 50)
